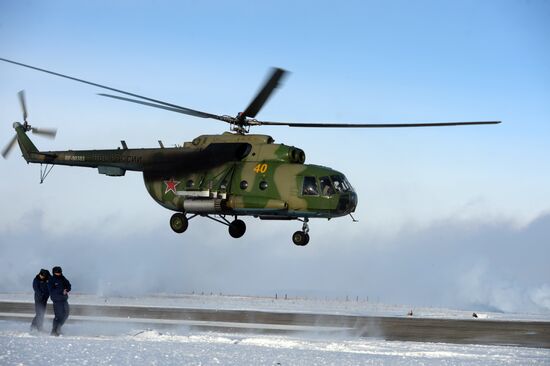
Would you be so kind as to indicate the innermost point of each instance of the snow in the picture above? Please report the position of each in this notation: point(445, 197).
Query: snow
point(115, 342)
point(100, 344)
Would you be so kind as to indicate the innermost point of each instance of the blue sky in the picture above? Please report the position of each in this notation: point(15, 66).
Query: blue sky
point(355, 62)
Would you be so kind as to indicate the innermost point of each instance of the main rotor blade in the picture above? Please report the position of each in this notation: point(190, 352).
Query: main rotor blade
point(21, 96)
point(183, 110)
point(264, 94)
point(373, 125)
point(104, 87)
point(48, 132)
point(9, 146)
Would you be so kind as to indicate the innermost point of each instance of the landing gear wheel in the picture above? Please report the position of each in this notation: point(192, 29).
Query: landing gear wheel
point(300, 238)
point(237, 228)
point(179, 223)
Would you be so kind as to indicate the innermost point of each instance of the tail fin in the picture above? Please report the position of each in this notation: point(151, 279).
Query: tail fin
point(25, 143)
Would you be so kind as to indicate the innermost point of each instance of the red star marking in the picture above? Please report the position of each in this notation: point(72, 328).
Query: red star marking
point(171, 185)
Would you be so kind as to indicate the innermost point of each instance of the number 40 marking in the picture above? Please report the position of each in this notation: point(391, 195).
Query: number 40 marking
point(260, 168)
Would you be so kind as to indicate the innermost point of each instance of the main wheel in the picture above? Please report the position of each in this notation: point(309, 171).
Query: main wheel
point(300, 238)
point(237, 228)
point(179, 222)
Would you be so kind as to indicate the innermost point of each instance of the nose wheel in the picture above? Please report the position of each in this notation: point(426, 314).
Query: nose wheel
point(237, 228)
point(301, 238)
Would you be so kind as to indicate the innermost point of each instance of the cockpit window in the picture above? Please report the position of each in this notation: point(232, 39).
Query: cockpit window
point(340, 183)
point(326, 186)
point(310, 187)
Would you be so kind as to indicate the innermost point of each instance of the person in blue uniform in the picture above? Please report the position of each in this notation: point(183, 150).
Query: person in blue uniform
point(41, 294)
point(59, 287)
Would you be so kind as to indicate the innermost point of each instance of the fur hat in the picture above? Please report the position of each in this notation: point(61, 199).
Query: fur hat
point(57, 269)
point(44, 272)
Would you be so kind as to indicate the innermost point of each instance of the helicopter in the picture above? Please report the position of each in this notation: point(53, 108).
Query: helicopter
point(223, 176)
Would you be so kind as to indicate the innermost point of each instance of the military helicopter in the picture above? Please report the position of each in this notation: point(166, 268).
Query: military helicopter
point(233, 174)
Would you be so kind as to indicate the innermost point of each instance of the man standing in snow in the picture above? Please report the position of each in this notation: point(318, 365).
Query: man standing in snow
point(59, 288)
point(41, 294)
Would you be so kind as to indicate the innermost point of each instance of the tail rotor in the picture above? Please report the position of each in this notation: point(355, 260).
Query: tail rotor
point(48, 132)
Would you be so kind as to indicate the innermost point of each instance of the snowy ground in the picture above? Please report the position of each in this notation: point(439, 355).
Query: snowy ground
point(98, 344)
point(115, 343)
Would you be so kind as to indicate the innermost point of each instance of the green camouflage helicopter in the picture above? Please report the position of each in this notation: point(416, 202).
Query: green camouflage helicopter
point(219, 176)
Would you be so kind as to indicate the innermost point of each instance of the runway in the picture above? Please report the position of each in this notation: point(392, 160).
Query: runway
point(474, 331)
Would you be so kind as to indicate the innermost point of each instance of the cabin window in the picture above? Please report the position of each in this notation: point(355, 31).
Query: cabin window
point(310, 187)
point(326, 186)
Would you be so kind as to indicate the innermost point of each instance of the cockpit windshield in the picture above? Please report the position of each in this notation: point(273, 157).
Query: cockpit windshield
point(341, 184)
point(328, 185)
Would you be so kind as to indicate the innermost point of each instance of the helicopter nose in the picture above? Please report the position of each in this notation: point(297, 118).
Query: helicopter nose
point(347, 203)
point(353, 202)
